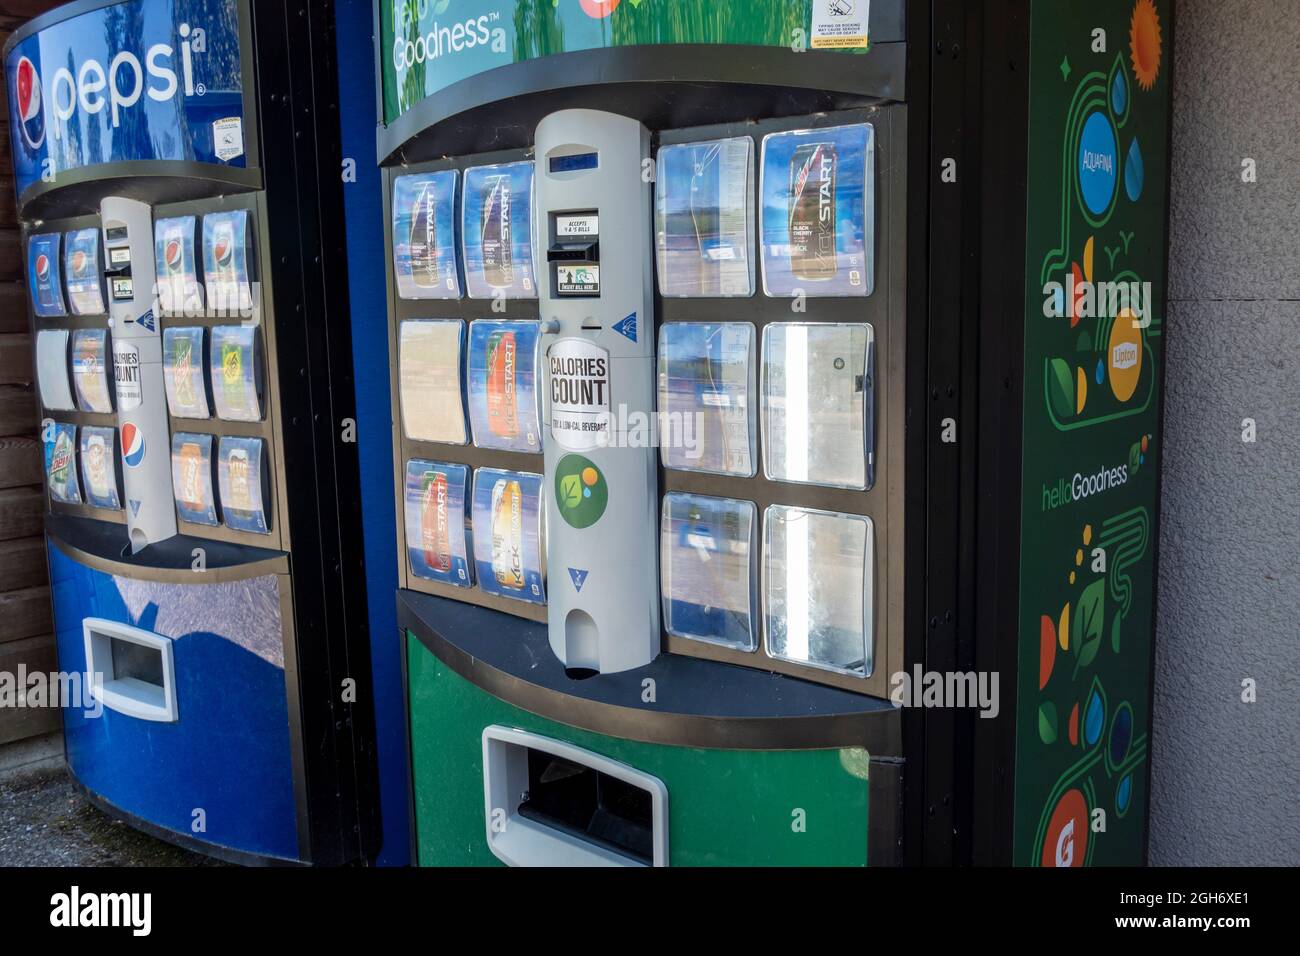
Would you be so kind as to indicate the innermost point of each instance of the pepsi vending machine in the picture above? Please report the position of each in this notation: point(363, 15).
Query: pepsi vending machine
point(177, 176)
point(773, 490)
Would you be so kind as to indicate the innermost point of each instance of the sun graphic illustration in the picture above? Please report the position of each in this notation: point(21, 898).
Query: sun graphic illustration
point(1144, 41)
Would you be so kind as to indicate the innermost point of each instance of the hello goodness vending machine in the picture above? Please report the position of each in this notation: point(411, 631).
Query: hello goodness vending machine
point(192, 365)
point(852, 252)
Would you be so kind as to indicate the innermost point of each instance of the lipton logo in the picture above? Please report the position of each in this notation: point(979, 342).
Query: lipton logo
point(1124, 355)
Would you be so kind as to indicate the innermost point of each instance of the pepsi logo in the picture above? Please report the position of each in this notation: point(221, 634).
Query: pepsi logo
point(172, 255)
point(132, 444)
point(221, 248)
point(79, 260)
point(27, 95)
point(42, 267)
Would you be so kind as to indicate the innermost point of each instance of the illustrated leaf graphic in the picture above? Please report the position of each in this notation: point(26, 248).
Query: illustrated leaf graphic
point(1047, 722)
point(1089, 618)
point(1060, 389)
point(571, 488)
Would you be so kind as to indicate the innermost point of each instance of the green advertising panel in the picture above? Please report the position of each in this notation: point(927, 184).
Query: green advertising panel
point(726, 807)
point(1095, 293)
point(427, 45)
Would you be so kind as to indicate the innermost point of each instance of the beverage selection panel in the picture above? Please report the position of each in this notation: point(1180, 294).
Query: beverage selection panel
point(782, 403)
point(213, 366)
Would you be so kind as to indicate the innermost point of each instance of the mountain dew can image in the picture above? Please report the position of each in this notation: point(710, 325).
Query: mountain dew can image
point(498, 256)
point(424, 239)
point(502, 397)
point(435, 530)
point(508, 534)
point(812, 211)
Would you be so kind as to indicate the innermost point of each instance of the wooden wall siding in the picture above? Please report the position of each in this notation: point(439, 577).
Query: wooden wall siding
point(26, 628)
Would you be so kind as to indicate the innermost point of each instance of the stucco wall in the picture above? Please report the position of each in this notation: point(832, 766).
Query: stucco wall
point(1226, 774)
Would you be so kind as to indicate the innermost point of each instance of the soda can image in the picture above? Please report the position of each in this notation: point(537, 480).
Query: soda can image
point(436, 534)
point(817, 199)
point(90, 365)
point(424, 235)
point(495, 241)
point(496, 231)
point(241, 477)
point(509, 550)
point(192, 478)
point(99, 466)
point(424, 239)
point(502, 384)
point(236, 383)
point(175, 272)
point(43, 274)
point(435, 530)
point(61, 465)
point(227, 254)
point(812, 212)
point(508, 534)
point(502, 400)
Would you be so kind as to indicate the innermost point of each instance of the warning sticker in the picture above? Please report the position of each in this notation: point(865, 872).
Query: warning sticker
point(228, 138)
point(839, 24)
point(126, 372)
point(579, 390)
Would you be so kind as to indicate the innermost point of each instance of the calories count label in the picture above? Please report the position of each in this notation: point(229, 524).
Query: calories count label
point(126, 371)
point(579, 390)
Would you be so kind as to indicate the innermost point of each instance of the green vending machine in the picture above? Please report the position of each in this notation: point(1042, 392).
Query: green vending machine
point(776, 426)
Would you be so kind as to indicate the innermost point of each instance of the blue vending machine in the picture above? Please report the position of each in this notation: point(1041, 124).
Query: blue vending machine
point(177, 175)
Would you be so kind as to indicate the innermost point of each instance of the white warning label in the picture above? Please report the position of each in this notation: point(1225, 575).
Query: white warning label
point(839, 24)
point(579, 391)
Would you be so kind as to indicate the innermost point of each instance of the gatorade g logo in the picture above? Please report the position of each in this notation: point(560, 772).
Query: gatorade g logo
point(27, 95)
point(580, 491)
point(598, 9)
point(1066, 840)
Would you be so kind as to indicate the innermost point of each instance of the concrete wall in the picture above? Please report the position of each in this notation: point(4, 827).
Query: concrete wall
point(1226, 774)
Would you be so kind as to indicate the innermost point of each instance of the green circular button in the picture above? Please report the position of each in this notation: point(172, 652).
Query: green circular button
point(580, 491)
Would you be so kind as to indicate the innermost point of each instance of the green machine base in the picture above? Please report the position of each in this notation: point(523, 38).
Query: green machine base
point(830, 805)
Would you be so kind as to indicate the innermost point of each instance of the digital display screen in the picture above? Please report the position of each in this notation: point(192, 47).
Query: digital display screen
point(123, 289)
point(574, 162)
point(121, 256)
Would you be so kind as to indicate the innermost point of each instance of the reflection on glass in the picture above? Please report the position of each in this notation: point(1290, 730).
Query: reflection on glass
point(817, 404)
point(704, 219)
point(817, 584)
point(706, 391)
point(706, 548)
point(429, 381)
point(503, 385)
